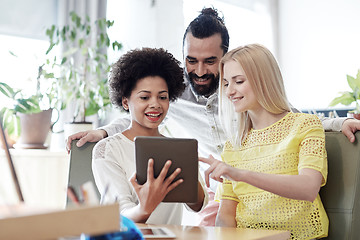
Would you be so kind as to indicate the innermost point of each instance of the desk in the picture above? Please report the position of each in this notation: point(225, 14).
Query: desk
point(222, 233)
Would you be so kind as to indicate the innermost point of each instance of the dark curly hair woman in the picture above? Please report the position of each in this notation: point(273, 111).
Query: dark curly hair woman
point(143, 82)
point(140, 63)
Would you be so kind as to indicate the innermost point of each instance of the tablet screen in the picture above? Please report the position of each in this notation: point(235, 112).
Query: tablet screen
point(156, 232)
point(183, 154)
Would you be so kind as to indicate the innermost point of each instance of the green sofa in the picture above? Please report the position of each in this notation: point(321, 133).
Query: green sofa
point(341, 194)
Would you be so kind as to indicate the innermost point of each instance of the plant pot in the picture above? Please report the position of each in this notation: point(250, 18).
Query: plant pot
point(34, 129)
point(75, 127)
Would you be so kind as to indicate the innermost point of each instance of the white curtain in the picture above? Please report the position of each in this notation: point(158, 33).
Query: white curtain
point(95, 9)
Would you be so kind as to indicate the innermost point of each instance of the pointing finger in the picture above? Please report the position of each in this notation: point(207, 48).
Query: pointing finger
point(206, 160)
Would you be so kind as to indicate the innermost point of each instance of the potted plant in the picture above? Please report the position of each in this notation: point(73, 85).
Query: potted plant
point(81, 71)
point(350, 97)
point(28, 116)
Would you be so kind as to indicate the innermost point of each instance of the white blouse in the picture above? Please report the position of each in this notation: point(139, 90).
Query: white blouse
point(113, 163)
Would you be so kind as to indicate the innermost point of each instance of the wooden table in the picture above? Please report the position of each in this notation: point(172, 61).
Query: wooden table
point(222, 233)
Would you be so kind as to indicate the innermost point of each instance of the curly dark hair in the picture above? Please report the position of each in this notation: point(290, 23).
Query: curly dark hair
point(206, 25)
point(140, 63)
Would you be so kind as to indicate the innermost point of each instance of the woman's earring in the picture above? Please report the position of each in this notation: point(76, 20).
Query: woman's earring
point(125, 107)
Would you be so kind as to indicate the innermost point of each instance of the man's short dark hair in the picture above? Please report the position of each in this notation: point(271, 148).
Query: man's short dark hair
point(206, 25)
point(140, 63)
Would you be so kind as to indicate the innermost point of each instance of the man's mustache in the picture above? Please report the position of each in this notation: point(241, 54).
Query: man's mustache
point(194, 76)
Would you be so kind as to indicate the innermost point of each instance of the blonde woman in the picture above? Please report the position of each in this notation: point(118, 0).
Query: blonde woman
point(274, 162)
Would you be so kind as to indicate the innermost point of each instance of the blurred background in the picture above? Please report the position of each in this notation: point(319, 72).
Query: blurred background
point(315, 41)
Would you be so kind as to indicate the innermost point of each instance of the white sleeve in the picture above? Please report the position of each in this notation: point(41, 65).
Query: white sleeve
point(107, 172)
point(117, 126)
point(333, 124)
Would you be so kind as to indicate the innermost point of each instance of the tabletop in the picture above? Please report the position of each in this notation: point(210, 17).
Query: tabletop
point(222, 233)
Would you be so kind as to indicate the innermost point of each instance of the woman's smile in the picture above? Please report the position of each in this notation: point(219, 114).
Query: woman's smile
point(153, 116)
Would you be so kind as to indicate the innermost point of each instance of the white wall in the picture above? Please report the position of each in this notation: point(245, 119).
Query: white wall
point(318, 41)
point(138, 24)
point(248, 21)
point(319, 44)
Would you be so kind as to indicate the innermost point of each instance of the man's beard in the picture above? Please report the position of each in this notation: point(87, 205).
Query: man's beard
point(203, 90)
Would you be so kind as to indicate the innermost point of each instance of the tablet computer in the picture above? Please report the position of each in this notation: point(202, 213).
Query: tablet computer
point(183, 154)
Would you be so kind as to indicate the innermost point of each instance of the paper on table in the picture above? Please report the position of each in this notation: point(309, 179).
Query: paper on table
point(24, 223)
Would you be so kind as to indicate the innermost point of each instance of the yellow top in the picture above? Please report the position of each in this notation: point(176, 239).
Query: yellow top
point(295, 142)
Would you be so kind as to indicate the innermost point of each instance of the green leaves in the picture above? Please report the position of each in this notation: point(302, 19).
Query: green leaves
point(11, 121)
point(7, 90)
point(13, 54)
point(109, 23)
point(76, 19)
point(348, 98)
point(28, 105)
point(50, 48)
point(17, 104)
point(20, 104)
point(354, 83)
point(63, 61)
point(50, 33)
point(116, 46)
point(80, 73)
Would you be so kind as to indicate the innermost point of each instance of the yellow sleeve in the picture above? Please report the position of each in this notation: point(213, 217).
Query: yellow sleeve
point(312, 153)
point(225, 191)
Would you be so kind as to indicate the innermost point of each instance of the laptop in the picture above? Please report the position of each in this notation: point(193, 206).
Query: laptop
point(80, 171)
point(183, 154)
point(14, 177)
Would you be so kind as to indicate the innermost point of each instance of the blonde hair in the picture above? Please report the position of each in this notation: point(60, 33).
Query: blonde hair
point(263, 73)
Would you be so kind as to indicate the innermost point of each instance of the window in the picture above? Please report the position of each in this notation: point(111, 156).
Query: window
point(22, 32)
point(20, 58)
